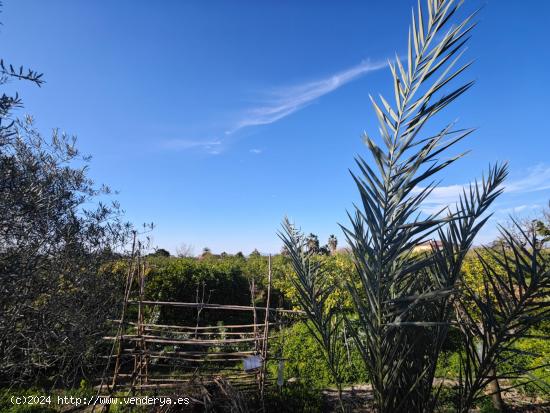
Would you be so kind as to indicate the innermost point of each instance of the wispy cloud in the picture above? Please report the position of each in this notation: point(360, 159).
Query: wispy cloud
point(513, 201)
point(287, 100)
point(186, 144)
point(537, 178)
point(519, 209)
point(280, 103)
point(440, 197)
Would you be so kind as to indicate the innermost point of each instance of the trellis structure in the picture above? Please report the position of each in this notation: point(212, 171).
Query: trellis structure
point(164, 358)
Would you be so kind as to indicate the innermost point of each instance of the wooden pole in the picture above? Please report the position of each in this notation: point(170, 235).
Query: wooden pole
point(130, 280)
point(253, 301)
point(144, 360)
point(118, 343)
point(137, 374)
point(140, 323)
point(266, 333)
point(256, 335)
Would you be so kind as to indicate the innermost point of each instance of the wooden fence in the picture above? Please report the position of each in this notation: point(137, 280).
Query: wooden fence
point(147, 356)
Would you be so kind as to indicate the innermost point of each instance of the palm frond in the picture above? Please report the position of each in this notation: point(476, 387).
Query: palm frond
point(404, 300)
point(513, 299)
point(314, 289)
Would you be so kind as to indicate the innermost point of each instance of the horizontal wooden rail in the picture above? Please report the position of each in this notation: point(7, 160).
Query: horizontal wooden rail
point(187, 376)
point(189, 353)
point(193, 360)
point(184, 383)
point(201, 333)
point(217, 306)
point(193, 328)
point(195, 342)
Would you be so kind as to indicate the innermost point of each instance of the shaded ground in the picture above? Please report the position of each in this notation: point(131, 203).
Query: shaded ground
point(358, 399)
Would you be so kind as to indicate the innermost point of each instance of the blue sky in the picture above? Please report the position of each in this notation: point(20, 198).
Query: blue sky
point(216, 119)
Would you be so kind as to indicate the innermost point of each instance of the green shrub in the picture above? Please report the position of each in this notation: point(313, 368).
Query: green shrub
point(304, 359)
point(448, 365)
point(537, 353)
point(485, 405)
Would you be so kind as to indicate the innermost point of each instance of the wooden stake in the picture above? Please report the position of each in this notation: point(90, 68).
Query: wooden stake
point(253, 300)
point(266, 334)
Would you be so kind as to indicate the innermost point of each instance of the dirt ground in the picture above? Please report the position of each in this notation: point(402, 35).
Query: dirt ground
point(359, 399)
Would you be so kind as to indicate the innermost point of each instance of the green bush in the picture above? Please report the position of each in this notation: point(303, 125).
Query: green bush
point(304, 359)
point(537, 353)
point(485, 405)
point(448, 365)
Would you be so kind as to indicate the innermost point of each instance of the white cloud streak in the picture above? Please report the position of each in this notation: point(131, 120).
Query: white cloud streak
point(281, 103)
point(440, 197)
point(519, 208)
point(536, 179)
point(288, 100)
point(186, 144)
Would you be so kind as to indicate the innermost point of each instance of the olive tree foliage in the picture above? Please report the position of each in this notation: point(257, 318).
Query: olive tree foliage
point(55, 236)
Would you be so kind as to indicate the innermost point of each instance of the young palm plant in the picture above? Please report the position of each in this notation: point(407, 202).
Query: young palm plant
point(314, 290)
point(513, 299)
point(404, 304)
point(403, 299)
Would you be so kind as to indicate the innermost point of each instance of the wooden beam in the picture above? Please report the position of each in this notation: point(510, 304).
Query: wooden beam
point(217, 306)
point(195, 342)
point(192, 328)
point(191, 353)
